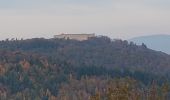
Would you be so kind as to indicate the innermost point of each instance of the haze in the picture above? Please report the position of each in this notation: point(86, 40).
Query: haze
point(115, 18)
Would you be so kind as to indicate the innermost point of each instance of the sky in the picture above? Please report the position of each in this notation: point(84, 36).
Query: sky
point(123, 19)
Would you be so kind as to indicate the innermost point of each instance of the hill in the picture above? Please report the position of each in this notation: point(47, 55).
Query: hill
point(43, 69)
point(99, 52)
point(155, 42)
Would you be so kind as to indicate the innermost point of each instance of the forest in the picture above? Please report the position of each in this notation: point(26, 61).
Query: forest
point(99, 68)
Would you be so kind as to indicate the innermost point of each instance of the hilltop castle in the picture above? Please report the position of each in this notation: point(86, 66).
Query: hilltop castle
point(79, 37)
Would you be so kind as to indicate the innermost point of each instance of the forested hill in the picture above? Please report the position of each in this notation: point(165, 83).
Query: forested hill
point(99, 52)
point(44, 67)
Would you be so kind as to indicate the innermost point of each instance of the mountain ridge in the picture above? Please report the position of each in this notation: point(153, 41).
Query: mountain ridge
point(155, 42)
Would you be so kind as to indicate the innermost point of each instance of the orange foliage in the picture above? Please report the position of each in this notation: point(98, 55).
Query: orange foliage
point(25, 64)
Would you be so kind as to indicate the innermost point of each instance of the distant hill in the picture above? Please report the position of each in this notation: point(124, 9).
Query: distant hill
point(155, 42)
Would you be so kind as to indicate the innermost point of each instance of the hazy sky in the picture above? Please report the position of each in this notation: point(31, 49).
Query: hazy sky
point(115, 18)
